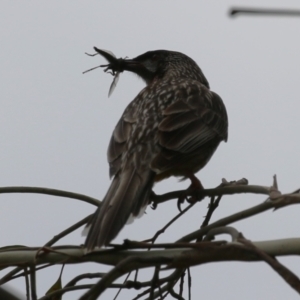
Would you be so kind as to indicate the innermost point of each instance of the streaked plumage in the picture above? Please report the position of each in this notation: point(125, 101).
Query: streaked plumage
point(171, 128)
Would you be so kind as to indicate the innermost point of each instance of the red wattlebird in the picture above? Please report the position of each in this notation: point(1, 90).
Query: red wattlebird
point(171, 128)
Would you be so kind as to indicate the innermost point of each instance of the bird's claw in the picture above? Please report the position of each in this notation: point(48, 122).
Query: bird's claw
point(181, 200)
point(192, 199)
point(153, 203)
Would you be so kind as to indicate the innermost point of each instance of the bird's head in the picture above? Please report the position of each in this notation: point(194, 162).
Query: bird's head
point(158, 64)
point(163, 63)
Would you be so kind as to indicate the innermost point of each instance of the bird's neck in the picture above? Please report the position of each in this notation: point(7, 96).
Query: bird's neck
point(173, 75)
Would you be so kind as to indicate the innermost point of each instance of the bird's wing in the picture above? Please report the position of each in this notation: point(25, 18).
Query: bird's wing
point(129, 191)
point(192, 128)
point(119, 138)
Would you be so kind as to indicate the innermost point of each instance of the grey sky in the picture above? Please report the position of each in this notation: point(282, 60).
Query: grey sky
point(55, 123)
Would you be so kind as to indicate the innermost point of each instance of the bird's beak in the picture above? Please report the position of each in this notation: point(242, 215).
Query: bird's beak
point(132, 65)
point(138, 67)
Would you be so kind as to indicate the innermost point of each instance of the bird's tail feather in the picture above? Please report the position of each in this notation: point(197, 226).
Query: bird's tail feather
point(128, 194)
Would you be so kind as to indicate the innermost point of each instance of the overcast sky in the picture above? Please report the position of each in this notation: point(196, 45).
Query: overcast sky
point(55, 123)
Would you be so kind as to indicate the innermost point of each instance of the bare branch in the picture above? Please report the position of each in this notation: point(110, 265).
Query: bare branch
point(72, 254)
point(67, 231)
point(10, 275)
point(284, 272)
point(219, 191)
point(181, 283)
point(175, 295)
point(159, 232)
point(189, 282)
point(65, 290)
point(164, 256)
point(211, 208)
point(280, 201)
point(221, 230)
point(27, 283)
point(33, 283)
point(122, 268)
point(173, 278)
point(47, 191)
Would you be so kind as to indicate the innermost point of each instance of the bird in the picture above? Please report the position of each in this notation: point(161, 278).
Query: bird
point(171, 128)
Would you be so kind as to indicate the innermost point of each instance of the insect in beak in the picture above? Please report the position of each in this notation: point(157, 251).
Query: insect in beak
point(114, 67)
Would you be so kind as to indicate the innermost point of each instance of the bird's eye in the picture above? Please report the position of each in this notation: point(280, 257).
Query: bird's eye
point(155, 57)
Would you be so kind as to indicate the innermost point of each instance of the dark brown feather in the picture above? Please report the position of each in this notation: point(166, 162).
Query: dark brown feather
point(189, 137)
point(128, 194)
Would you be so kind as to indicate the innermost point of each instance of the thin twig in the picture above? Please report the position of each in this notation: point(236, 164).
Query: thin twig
point(175, 295)
point(47, 191)
point(67, 231)
point(125, 266)
point(228, 220)
point(222, 230)
point(292, 279)
point(212, 207)
point(84, 276)
point(142, 294)
point(160, 282)
point(62, 291)
point(33, 283)
point(27, 283)
point(23, 274)
point(159, 232)
point(281, 201)
point(119, 291)
point(173, 278)
point(189, 283)
point(10, 275)
point(128, 284)
point(181, 284)
point(89, 286)
point(136, 275)
point(154, 281)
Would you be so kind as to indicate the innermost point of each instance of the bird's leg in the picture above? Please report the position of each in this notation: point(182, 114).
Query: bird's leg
point(194, 186)
point(195, 182)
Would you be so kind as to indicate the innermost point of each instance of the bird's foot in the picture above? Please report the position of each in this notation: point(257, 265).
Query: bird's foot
point(196, 185)
point(152, 198)
point(181, 199)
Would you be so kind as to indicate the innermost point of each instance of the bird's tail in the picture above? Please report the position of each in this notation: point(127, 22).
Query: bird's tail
point(128, 194)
